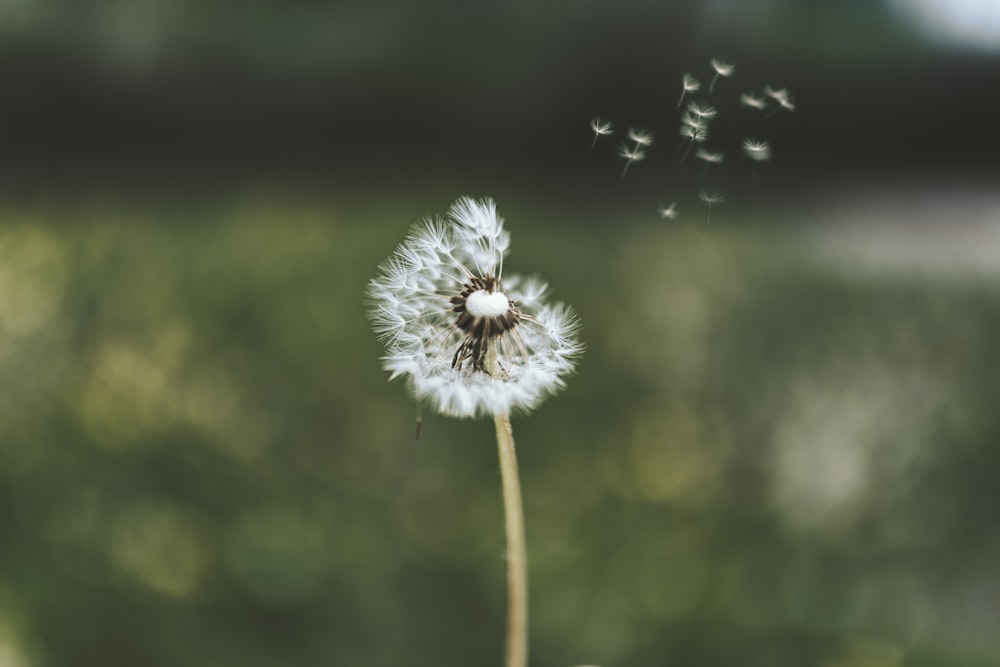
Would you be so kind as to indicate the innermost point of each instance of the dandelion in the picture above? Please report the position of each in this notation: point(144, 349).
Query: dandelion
point(668, 212)
point(640, 137)
point(710, 199)
point(689, 85)
point(721, 69)
point(631, 155)
point(599, 128)
point(752, 101)
point(469, 340)
point(473, 341)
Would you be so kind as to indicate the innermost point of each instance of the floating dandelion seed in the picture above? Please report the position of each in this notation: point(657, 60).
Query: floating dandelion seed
point(702, 111)
point(469, 340)
point(631, 155)
point(689, 85)
point(710, 199)
point(668, 212)
point(759, 151)
point(599, 128)
point(708, 156)
point(753, 101)
point(694, 130)
point(721, 69)
point(640, 137)
point(782, 97)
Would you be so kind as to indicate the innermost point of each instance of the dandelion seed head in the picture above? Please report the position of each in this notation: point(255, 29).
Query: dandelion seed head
point(690, 84)
point(468, 339)
point(753, 101)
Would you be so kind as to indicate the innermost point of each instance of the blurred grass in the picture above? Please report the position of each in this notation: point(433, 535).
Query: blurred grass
point(779, 448)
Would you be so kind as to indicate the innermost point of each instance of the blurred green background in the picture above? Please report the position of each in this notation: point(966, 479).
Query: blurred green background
point(780, 448)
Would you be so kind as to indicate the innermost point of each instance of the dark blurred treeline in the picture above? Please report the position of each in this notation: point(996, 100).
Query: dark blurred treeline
point(271, 88)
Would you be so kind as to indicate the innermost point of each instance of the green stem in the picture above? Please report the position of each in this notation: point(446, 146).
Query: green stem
point(517, 553)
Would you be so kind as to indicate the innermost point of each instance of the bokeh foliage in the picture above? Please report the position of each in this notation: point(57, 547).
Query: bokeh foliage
point(778, 450)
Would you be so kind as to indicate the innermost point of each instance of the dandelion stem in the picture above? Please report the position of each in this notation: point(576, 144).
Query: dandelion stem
point(517, 553)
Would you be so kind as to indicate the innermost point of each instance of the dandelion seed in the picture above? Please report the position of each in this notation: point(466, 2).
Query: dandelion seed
point(781, 96)
point(753, 101)
point(759, 151)
point(467, 338)
point(721, 69)
point(631, 155)
point(702, 111)
point(668, 212)
point(599, 128)
point(694, 130)
point(710, 199)
point(640, 137)
point(689, 85)
point(708, 156)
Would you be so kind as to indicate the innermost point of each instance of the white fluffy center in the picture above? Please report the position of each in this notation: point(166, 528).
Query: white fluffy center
point(486, 304)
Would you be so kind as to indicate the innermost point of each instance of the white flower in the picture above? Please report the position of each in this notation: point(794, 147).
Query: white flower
point(469, 339)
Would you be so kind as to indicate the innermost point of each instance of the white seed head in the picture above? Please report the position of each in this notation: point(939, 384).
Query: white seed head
point(753, 101)
point(691, 84)
point(487, 304)
point(468, 338)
